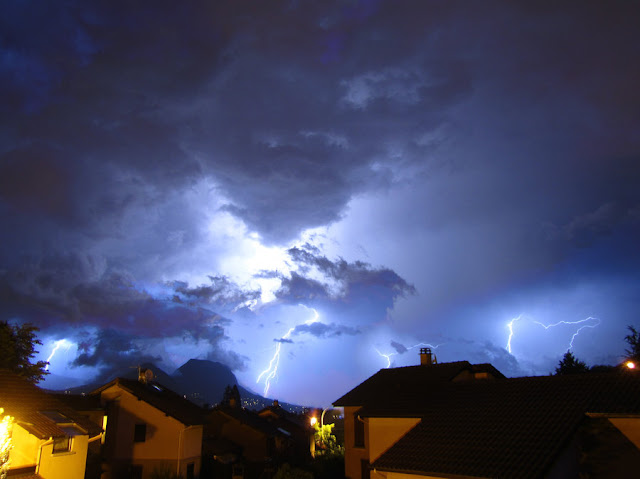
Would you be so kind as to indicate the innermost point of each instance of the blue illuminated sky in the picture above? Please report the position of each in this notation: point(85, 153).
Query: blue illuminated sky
point(196, 179)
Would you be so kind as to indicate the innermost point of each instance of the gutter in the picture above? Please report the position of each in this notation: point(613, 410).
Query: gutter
point(46, 443)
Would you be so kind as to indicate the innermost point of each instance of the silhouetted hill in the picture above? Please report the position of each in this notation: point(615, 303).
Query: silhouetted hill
point(203, 381)
point(131, 373)
point(199, 380)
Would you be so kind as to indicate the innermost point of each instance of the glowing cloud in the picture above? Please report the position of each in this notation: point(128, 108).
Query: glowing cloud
point(61, 343)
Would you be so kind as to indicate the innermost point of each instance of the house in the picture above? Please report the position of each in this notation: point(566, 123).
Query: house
point(301, 439)
point(49, 440)
point(239, 439)
point(458, 420)
point(149, 428)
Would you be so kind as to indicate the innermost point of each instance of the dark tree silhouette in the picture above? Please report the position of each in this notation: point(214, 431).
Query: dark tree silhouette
point(231, 396)
point(569, 364)
point(17, 348)
point(633, 340)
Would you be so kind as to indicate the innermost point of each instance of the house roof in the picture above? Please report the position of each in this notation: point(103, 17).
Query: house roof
point(160, 397)
point(40, 413)
point(511, 428)
point(279, 415)
point(248, 418)
point(414, 380)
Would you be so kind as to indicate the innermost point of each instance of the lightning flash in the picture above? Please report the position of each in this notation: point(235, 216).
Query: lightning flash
point(272, 370)
point(61, 343)
point(589, 322)
point(388, 356)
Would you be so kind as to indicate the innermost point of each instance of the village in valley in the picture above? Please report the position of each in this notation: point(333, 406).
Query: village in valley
point(449, 420)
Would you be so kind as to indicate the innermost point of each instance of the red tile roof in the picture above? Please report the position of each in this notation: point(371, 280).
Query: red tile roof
point(511, 428)
point(28, 404)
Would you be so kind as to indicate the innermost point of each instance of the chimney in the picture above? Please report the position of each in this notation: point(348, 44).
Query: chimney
point(145, 375)
point(426, 357)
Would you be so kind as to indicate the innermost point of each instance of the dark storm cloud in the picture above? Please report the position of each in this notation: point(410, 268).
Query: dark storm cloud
point(400, 348)
point(349, 277)
point(163, 95)
point(222, 291)
point(114, 349)
point(322, 330)
point(79, 291)
point(283, 340)
point(488, 145)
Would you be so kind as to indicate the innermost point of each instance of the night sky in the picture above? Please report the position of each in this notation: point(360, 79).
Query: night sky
point(336, 181)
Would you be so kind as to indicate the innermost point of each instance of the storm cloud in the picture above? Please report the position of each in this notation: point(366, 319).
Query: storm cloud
point(190, 174)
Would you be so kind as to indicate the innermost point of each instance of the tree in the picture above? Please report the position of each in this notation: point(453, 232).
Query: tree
point(633, 340)
point(231, 396)
point(17, 348)
point(326, 443)
point(569, 364)
point(329, 454)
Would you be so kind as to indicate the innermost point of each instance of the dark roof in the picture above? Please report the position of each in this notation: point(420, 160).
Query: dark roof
point(386, 383)
point(282, 417)
point(38, 412)
point(80, 402)
point(248, 418)
point(162, 398)
point(512, 428)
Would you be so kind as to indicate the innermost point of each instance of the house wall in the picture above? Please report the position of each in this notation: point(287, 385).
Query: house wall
point(385, 432)
point(353, 456)
point(254, 443)
point(25, 447)
point(168, 443)
point(64, 465)
point(629, 426)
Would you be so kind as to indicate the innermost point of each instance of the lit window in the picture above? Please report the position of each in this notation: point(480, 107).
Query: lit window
point(140, 433)
point(61, 444)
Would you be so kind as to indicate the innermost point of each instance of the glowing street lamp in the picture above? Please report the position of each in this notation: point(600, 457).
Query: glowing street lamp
point(313, 421)
point(630, 365)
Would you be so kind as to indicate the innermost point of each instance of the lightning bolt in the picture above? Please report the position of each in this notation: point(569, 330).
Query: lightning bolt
point(57, 345)
point(272, 370)
point(549, 326)
point(388, 356)
point(510, 326)
point(590, 318)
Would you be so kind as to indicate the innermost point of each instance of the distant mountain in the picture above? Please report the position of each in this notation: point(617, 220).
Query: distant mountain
point(131, 373)
point(199, 380)
point(203, 381)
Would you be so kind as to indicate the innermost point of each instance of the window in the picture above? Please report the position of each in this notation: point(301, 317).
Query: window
point(364, 469)
point(61, 444)
point(140, 433)
point(358, 431)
